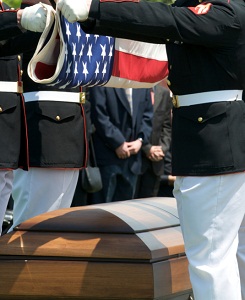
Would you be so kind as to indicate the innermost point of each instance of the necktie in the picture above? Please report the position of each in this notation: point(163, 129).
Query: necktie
point(128, 92)
point(152, 95)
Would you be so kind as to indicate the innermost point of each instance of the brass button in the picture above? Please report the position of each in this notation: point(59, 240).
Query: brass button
point(19, 58)
point(57, 118)
point(82, 97)
point(200, 119)
point(21, 72)
point(1, 110)
point(174, 101)
point(168, 82)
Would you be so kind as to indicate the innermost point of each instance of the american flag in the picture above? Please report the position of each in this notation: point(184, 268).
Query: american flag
point(74, 58)
point(82, 59)
point(138, 64)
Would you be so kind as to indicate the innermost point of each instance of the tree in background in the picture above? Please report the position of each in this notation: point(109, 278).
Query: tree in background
point(13, 3)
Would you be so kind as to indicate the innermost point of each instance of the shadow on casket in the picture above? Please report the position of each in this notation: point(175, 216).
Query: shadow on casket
point(113, 251)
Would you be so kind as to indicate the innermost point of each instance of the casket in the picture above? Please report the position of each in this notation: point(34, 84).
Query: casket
point(112, 251)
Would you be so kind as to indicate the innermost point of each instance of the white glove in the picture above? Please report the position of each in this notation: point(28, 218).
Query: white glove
point(34, 18)
point(74, 10)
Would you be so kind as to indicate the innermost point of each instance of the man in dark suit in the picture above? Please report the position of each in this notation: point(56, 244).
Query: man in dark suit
point(153, 153)
point(120, 131)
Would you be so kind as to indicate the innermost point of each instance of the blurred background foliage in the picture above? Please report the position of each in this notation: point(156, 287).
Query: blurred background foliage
point(13, 3)
point(16, 3)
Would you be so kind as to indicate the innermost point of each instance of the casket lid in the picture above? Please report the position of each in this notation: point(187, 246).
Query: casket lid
point(132, 216)
point(143, 229)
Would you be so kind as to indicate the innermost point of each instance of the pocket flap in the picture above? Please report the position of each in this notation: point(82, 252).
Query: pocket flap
point(7, 104)
point(56, 112)
point(202, 113)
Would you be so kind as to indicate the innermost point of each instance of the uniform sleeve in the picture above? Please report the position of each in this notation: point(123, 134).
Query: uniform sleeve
point(211, 24)
point(27, 41)
point(8, 25)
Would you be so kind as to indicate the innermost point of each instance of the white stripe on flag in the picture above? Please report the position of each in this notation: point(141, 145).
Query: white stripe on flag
point(138, 64)
point(147, 50)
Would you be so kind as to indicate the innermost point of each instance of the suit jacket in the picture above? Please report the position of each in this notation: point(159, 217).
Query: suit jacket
point(114, 124)
point(161, 128)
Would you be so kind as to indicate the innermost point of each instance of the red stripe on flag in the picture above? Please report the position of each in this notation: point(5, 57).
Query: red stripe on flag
point(43, 71)
point(144, 70)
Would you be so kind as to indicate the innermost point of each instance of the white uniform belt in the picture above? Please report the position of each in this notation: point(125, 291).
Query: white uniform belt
point(207, 97)
point(11, 87)
point(53, 96)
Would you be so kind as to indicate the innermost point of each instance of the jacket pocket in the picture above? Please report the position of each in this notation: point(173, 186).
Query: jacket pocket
point(201, 139)
point(8, 104)
point(57, 113)
point(56, 134)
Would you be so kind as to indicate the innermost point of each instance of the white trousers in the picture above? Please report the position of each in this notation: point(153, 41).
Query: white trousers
point(241, 256)
point(41, 190)
point(211, 210)
point(6, 182)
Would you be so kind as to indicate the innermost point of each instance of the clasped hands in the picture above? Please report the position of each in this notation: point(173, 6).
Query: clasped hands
point(33, 18)
point(128, 148)
point(155, 153)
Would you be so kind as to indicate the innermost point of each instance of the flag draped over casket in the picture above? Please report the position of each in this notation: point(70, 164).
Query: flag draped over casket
point(67, 57)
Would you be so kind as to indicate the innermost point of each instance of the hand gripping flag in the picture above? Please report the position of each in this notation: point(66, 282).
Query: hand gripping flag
point(67, 57)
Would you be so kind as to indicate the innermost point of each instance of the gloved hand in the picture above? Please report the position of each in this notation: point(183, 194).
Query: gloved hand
point(34, 18)
point(74, 10)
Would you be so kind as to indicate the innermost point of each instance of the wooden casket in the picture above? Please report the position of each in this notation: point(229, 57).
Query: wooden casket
point(113, 251)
